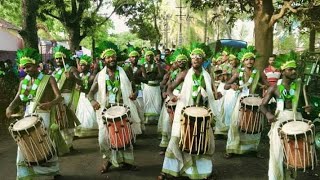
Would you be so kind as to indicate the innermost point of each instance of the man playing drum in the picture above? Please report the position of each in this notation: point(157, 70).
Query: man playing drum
point(174, 85)
point(111, 86)
point(67, 76)
point(39, 93)
point(196, 90)
point(245, 82)
point(287, 92)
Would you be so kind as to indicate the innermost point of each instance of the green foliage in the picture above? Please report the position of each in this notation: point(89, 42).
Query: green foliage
point(143, 19)
point(7, 9)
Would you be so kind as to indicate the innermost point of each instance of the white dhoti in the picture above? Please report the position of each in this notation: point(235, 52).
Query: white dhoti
point(220, 126)
point(276, 170)
point(152, 102)
point(49, 168)
point(140, 107)
point(87, 117)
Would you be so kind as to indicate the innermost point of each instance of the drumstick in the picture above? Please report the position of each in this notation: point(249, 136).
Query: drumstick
point(64, 64)
point(305, 96)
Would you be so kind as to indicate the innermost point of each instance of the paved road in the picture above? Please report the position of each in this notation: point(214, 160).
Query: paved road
point(85, 164)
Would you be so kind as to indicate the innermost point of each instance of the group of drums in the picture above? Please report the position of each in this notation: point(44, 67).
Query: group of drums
point(297, 136)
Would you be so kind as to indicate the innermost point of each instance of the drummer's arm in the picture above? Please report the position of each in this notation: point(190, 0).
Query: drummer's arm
point(56, 92)
point(92, 92)
point(15, 102)
point(265, 101)
point(174, 84)
point(230, 83)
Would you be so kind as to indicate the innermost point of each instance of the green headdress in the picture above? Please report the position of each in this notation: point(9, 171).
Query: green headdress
point(28, 55)
point(133, 51)
point(107, 49)
point(85, 59)
point(180, 54)
point(284, 61)
point(148, 53)
point(216, 57)
point(232, 54)
point(60, 51)
point(245, 53)
point(200, 49)
point(225, 51)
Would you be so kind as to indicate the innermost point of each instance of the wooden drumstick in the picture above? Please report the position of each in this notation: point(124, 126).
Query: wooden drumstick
point(305, 96)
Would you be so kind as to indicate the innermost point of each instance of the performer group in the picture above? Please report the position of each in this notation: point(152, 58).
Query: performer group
point(114, 98)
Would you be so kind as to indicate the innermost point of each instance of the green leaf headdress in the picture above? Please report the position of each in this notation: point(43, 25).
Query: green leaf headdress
point(180, 54)
point(61, 52)
point(85, 59)
point(133, 51)
point(200, 49)
point(225, 51)
point(107, 49)
point(216, 57)
point(284, 61)
point(246, 53)
point(148, 52)
point(28, 56)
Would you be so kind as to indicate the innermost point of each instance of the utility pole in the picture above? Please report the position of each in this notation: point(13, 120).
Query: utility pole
point(180, 23)
point(166, 29)
point(188, 18)
point(205, 26)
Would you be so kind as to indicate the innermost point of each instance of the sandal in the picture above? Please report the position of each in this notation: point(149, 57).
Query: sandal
point(105, 167)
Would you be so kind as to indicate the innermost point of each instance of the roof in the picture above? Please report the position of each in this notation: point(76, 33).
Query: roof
point(6, 25)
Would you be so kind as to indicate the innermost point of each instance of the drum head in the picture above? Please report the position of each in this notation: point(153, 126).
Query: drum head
point(196, 111)
point(252, 101)
point(116, 111)
point(25, 123)
point(295, 127)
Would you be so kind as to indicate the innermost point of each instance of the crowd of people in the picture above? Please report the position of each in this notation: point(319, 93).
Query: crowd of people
point(192, 105)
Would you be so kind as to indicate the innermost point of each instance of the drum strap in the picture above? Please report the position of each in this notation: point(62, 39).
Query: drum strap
point(40, 90)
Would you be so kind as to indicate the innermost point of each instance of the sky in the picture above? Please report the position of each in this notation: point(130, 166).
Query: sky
point(119, 24)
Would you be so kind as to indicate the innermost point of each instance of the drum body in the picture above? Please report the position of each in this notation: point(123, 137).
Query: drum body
point(195, 127)
point(250, 117)
point(117, 121)
point(33, 140)
point(297, 138)
point(171, 107)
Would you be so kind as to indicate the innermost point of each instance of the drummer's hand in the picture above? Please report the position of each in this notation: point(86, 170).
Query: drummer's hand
point(307, 109)
point(271, 118)
point(9, 112)
point(95, 105)
point(45, 106)
point(68, 75)
point(164, 95)
point(133, 96)
point(234, 86)
point(219, 95)
point(174, 98)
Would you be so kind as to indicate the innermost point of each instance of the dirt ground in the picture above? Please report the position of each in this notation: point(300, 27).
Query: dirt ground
point(86, 163)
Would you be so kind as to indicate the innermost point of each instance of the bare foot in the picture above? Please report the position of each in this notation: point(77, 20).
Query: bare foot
point(105, 167)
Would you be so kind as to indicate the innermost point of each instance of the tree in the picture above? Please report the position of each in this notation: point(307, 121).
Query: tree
point(265, 14)
point(79, 17)
point(143, 19)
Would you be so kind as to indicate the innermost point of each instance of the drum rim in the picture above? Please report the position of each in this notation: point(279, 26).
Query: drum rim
point(298, 135)
point(252, 105)
point(36, 124)
point(190, 106)
point(125, 115)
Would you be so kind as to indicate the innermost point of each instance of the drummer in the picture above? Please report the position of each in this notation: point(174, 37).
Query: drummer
point(196, 90)
point(111, 85)
point(245, 81)
point(39, 93)
point(287, 92)
point(174, 85)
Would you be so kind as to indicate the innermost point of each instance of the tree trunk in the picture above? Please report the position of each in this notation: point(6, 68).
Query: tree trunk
point(29, 30)
point(312, 40)
point(263, 33)
point(74, 37)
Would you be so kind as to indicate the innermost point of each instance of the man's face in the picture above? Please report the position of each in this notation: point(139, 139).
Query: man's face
point(290, 73)
point(224, 58)
point(181, 64)
point(134, 59)
point(31, 69)
point(233, 62)
point(84, 68)
point(249, 62)
point(111, 61)
point(196, 62)
point(59, 61)
point(149, 58)
point(157, 58)
point(271, 61)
